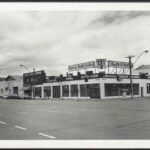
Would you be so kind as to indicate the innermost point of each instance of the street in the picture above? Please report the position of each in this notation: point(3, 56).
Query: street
point(74, 119)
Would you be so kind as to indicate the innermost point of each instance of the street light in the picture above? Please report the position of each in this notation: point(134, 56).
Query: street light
point(130, 67)
point(146, 51)
point(33, 87)
point(24, 67)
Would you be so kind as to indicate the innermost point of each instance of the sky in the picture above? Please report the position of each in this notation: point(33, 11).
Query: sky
point(52, 40)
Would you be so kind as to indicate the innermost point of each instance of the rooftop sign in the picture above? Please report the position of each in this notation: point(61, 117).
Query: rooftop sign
point(118, 64)
point(90, 64)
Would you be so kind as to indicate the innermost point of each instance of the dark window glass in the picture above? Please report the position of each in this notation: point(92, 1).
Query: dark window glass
point(135, 89)
point(83, 90)
point(65, 90)
point(15, 90)
point(74, 90)
point(47, 91)
point(148, 87)
point(56, 91)
point(93, 90)
point(38, 91)
point(118, 89)
point(28, 93)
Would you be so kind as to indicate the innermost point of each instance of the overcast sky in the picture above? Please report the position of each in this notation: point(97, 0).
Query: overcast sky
point(53, 40)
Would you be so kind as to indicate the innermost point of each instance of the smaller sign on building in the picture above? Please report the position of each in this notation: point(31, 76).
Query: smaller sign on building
point(118, 64)
point(81, 66)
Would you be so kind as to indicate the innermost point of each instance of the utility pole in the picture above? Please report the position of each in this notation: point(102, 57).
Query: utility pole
point(33, 83)
point(131, 83)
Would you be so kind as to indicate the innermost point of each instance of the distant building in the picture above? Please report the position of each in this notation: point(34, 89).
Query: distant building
point(30, 80)
point(12, 85)
point(142, 69)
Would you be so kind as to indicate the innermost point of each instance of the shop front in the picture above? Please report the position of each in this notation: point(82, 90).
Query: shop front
point(115, 89)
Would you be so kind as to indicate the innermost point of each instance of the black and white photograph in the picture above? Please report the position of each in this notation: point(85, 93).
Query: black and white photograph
point(75, 74)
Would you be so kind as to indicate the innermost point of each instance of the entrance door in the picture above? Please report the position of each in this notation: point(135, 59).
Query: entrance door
point(56, 91)
point(141, 91)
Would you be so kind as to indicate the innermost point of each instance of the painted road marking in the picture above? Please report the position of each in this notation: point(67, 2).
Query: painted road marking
point(3, 122)
point(20, 127)
point(52, 137)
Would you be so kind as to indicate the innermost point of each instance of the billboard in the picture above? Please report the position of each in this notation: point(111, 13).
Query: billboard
point(118, 64)
point(86, 65)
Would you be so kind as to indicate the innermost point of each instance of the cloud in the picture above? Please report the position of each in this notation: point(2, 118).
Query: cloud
point(117, 17)
point(53, 40)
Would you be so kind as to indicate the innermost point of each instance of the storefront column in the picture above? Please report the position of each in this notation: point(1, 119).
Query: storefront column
point(42, 92)
point(78, 90)
point(69, 90)
point(61, 96)
point(32, 94)
point(102, 90)
point(51, 91)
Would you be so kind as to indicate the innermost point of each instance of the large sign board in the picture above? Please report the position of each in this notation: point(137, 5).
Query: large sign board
point(99, 63)
point(118, 64)
point(85, 65)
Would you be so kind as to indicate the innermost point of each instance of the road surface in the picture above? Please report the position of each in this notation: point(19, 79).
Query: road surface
point(74, 119)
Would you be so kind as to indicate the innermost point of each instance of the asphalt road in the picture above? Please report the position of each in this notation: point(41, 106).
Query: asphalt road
point(74, 119)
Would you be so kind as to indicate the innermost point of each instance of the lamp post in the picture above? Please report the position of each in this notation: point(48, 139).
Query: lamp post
point(25, 67)
point(146, 51)
point(33, 83)
point(130, 67)
point(33, 86)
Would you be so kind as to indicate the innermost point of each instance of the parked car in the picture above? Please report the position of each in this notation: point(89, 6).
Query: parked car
point(27, 97)
point(2, 97)
point(13, 97)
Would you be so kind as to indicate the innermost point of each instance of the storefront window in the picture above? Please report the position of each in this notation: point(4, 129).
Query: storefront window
point(65, 90)
point(47, 91)
point(56, 91)
point(83, 89)
point(38, 92)
point(28, 92)
point(117, 89)
point(135, 89)
point(148, 87)
point(74, 90)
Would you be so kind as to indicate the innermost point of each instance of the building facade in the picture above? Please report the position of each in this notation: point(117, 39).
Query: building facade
point(93, 86)
point(11, 86)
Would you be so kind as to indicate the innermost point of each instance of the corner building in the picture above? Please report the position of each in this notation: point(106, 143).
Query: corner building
point(93, 86)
